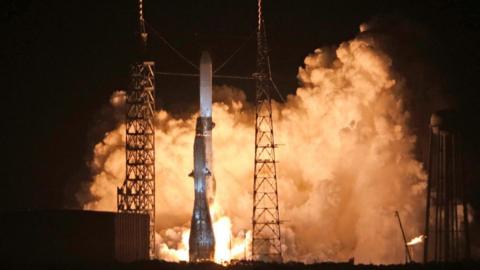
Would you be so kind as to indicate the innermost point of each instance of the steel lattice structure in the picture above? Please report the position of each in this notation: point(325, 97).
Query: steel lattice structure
point(266, 238)
point(446, 225)
point(137, 194)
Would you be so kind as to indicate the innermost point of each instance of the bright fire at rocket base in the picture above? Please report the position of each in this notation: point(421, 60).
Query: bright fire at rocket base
point(346, 166)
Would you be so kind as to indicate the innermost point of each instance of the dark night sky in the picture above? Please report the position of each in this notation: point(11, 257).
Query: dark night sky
point(63, 59)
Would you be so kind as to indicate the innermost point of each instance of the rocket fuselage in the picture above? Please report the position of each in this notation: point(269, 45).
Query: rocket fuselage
point(202, 239)
point(206, 116)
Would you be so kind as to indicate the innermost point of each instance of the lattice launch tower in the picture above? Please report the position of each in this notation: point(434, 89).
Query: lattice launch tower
point(137, 194)
point(266, 238)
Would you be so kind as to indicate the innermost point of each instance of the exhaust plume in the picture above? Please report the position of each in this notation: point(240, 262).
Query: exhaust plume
point(346, 164)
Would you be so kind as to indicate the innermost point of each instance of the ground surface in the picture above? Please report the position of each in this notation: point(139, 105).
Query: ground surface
point(152, 265)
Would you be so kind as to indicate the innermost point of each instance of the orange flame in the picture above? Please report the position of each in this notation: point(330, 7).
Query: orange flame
point(417, 240)
point(227, 245)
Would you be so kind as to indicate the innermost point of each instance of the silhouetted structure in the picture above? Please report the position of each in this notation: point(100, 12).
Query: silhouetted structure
point(137, 194)
point(446, 221)
point(73, 236)
point(266, 238)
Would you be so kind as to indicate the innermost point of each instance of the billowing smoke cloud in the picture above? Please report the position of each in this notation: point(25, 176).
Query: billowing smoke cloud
point(346, 163)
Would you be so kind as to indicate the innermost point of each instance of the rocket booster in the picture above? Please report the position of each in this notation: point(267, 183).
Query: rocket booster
point(202, 239)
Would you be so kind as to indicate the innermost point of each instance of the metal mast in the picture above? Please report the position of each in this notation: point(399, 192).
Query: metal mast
point(137, 194)
point(266, 240)
point(408, 256)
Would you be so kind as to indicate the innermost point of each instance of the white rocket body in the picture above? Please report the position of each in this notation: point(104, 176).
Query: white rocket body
point(202, 239)
point(205, 85)
point(206, 112)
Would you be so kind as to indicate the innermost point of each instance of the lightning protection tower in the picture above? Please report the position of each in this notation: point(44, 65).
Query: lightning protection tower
point(446, 221)
point(266, 238)
point(137, 194)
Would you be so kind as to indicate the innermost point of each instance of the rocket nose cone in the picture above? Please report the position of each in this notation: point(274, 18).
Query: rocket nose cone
point(205, 59)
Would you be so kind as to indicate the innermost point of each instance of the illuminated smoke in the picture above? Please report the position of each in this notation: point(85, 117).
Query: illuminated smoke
point(346, 165)
point(118, 98)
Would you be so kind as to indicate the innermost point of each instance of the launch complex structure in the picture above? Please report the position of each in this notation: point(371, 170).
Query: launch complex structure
point(137, 193)
point(446, 221)
point(446, 215)
point(266, 234)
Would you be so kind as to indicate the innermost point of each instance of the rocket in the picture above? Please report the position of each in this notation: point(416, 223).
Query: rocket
point(202, 239)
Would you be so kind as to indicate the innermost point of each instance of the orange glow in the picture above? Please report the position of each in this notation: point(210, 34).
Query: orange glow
point(345, 165)
point(227, 246)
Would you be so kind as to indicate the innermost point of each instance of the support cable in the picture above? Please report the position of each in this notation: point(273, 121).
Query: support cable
point(278, 91)
point(234, 53)
point(180, 74)
point(261, 23)
point(169, 45)
point(184, 58)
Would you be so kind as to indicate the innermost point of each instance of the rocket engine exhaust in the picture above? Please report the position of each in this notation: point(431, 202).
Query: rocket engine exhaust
point(202, 239)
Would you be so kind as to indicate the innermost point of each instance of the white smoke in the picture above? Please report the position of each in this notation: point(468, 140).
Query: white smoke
point(345, 167)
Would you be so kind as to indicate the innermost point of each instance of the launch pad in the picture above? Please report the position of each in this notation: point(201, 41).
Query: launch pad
point(138, 193)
